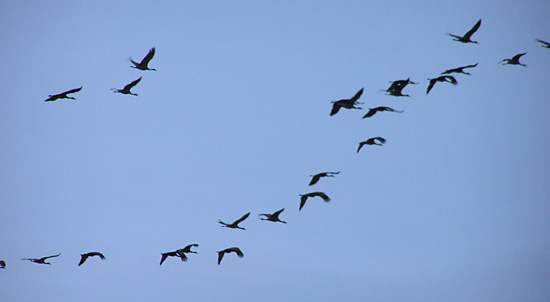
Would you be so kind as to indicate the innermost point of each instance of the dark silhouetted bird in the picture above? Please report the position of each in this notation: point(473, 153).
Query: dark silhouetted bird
point(544, 43)
point(2, 264)
point(235, 224)
point(126, 89)
point(41, 260)
point(145, 61)
point(63, 95)
point(177, 253)
point(347, 103)
point(467, 36)
point(84, 257)
point(443, 78)
point(304, 198)
point(274, 217)
point(315, 178)
point(459, 69)
point(514, 60)
point(379, 141)
point(373, 111)
point(235, 250)
point(396, 87)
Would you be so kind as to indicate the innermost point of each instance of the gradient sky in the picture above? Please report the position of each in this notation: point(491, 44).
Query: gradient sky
point(455, 207)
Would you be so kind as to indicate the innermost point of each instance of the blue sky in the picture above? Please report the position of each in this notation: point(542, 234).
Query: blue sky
point(454, 207)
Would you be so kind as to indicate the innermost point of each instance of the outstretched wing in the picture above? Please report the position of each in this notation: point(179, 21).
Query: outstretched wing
point(361, 144)
point(519, 55)
point(380, 139)
point(357, 95)
point(470, 66)
point(372, 111)
point(220, 256)
point(335, 108)
point(148, 57)
point(451, 80)
point(242, 218)
point(72, 91)
point(315, 179)
point(543, 42)
point(323, 196)
point(163, 258)
point(303, 200)
point(469, 34)
point(236, 250)
point(132, 84)
point(277, 213)
point(431, 85)
point(82, 259)
point(48, 257)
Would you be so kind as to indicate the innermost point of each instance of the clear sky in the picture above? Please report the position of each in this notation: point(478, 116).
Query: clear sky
point(455, 206)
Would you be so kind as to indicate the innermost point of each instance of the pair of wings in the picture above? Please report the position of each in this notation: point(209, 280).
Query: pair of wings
point(458, 69)
point(84, 257)
point(235, 250)
point(338, 104)
point(373, 111)
point(445, 78)
point(304, 198)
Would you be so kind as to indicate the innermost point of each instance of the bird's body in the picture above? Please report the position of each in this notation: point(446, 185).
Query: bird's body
point(396, 87)
point(315, 178)
point(235, 250)
point(177, 253)
point(543, 43)
point(305, 197)
point(379, 141)
point(2, 264)
point(235, 224)
point(84, 257)
point(459, 69)
point(62, 95)
point(127, 88)
point(514, 60)
point(373, 111)
point(347, 103)
point(41, 260)
point(273, 217)
point(443, 78)
point(467, 37)
point(143, 65)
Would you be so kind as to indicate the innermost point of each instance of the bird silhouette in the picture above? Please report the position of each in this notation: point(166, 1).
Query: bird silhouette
point(176, 253)
point(379, 141)
point(235, 224)
point(315, 178)
point(373, 111)
point(84, 257)
point(127, 88)
point(2, 264)
point(514, 60)
point(459, 69)
point(41, 260)
point(187, 249)
point(62, 95)
point(143, 65)
point(467, 36)
point(235, 250)
point(347, 103)
point(396, 87)
point(274, 217)
point(305, 197)
point(543, 43)
point(443, 78)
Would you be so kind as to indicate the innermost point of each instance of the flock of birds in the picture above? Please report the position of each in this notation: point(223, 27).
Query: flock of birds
point(395, 89)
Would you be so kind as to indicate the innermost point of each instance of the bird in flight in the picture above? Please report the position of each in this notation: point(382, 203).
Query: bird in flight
point(145, 61)
point(543, 43)
point(235, 250)
point(347, 103)
point(443, 78)
point(126, 89)
point(467, 36)
point(177, 253)
point(373, 111)
point(84, 257)
point(459, 69)
point(41, 260)
point(514, 60)
point(235, 224)
point(379, 141)
point(62, 95)
point(274, 217)
point(396, 87)
point(315, 178)
point(187, 249)
point(2, 264)
point(305, 197)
